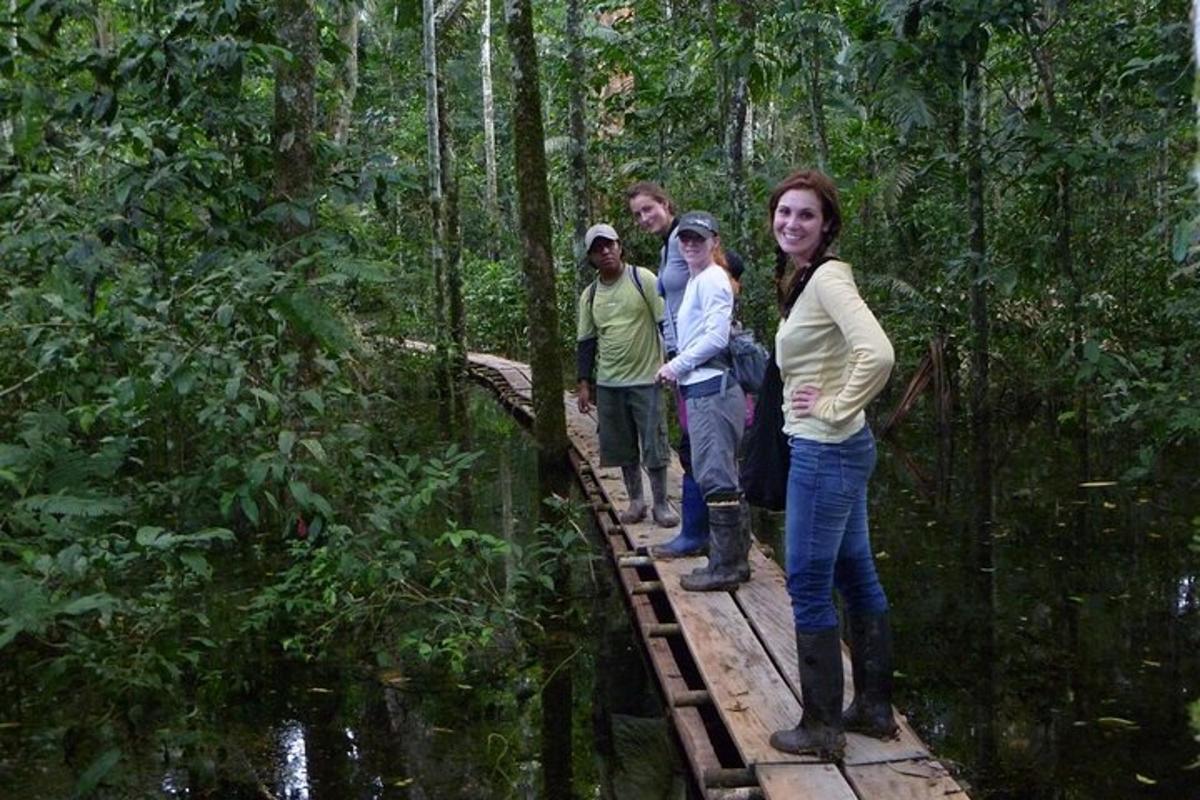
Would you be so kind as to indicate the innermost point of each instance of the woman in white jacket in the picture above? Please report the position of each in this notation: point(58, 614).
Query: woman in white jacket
point(716, 406)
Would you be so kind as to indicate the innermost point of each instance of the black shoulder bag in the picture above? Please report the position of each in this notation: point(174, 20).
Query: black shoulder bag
point(766, 452)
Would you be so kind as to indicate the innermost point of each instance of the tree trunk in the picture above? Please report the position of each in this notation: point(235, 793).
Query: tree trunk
point(437, 210)
point(346, 82)
point(6, 125)
point(577, 79)
point(295, 118)
point(489, 132)
point(816, 100)
point(735, 133)
point(537, 261)
point(104, 29)
point(549, 426)
point(453, 343)
point(980, 403)
point(1063, 223)
point(709, 12)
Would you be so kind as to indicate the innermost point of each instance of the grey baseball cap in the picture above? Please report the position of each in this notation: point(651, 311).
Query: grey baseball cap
point(601, 231)
point(700, 222)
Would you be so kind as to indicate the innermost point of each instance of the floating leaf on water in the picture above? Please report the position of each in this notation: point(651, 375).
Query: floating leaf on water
point(392, 677)
point(319, 690)
point(1116, 722)
point(403, 782)
point(436, 729)
point(1074, 598)
point(1143, 779)
point(5, 725)
point(1150, 663)
point(1096, 484)
point(1107, 504)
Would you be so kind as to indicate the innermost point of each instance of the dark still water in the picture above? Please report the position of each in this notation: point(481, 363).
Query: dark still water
point(1055, 658)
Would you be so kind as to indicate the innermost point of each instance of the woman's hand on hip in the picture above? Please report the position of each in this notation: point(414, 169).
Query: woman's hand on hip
point(804, 399)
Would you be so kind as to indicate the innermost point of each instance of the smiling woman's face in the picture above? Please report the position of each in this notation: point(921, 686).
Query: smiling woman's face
point(799, 224)
point(651, 215)
point(696, 250)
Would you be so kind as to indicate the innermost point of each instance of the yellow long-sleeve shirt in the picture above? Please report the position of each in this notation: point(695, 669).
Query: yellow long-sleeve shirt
point(832, 340)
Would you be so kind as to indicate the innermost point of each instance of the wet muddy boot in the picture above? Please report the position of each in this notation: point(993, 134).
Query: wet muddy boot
point(636, 512)
point(727, 567)
point(664, 515)
point(693, 532)
point(871, 655)
point(820, 731)
point(745, 540)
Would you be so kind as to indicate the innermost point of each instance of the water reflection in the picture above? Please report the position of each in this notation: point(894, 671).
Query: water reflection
point(293, 771)
point(1186, 600)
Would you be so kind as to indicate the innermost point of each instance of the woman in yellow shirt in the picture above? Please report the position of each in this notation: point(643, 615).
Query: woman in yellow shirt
point(834, 358)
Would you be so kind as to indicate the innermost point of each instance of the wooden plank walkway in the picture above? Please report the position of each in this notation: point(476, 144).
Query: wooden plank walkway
point(725, 661)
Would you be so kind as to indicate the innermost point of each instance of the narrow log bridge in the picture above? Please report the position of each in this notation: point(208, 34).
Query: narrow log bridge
point(725, 661)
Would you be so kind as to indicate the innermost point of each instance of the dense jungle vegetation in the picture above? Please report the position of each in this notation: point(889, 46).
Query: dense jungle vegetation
point(221, 219)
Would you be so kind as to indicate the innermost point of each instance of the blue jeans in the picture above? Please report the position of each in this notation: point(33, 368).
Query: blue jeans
point(826, 539)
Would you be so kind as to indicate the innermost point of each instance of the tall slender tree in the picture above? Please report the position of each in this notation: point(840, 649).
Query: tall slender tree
point(1037, 30)
point(537, 260)
point(735, 131)
point(580, 193)
point(346, 80)
point(437, 211)
point(491, 185)
point(6, 124)
point(549, 426)
point(295, 118)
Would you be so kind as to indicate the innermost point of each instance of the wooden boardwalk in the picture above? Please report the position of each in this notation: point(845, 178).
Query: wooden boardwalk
point(725, 661)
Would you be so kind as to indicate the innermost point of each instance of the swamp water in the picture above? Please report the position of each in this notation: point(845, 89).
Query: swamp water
point(1054, 659)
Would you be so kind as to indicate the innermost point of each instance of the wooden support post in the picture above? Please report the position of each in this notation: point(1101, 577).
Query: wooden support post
point(690, 697)
point(663, 629)
point(724, 778)
point(648, 587)
point(745, 793)
point(635, 561)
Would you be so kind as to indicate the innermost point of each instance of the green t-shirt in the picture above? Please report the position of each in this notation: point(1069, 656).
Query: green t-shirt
point(628, 351)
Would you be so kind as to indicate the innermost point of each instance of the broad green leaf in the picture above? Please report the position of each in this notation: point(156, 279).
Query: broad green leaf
point(313, 446)
point(249, 508)
point(287, 440)
point(96, 772)
point(70, 506)
point(87, 603)
point(264, 395)
point(197, 563)
point(148, 535)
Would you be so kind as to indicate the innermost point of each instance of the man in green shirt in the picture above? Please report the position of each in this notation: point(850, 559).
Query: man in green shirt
point(618, 339)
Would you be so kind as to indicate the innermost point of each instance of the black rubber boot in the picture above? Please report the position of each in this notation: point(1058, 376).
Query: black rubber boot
point(727, 566)
point(871, 655)
point(636, 512)
point(820, 731)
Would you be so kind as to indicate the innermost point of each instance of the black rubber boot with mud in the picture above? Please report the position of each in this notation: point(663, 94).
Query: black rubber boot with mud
point(871, 655)
point(728, 549)
point(820, 731)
